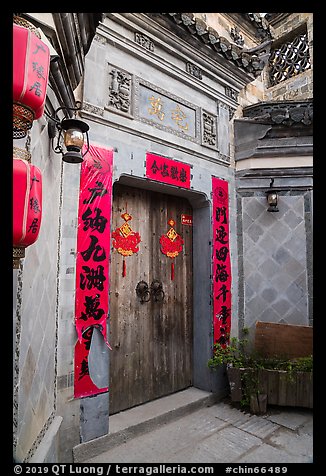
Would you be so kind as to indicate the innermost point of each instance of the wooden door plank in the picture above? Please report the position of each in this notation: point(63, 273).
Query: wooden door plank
point(152, 342)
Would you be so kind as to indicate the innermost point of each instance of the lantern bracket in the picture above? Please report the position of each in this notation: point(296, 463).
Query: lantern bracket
point(272, 197)
point(74, 126)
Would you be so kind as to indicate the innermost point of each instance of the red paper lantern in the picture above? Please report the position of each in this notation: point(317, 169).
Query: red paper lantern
point(31, 60)
point(27, 206)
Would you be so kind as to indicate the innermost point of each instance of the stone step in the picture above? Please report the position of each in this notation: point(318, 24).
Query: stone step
point(135, 421)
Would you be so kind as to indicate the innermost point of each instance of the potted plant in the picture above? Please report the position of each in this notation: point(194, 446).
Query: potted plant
point(256, 381)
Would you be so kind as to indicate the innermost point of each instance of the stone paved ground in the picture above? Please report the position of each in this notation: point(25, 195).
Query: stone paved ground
point(221, 434)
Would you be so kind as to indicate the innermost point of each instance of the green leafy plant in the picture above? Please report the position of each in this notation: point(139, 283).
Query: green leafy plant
point(238, 355)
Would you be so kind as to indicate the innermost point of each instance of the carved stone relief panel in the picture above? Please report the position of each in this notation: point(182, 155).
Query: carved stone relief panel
point(231, 93)
point(119, 91)
point(209, 130)
point(144, 41)
point(194, 70)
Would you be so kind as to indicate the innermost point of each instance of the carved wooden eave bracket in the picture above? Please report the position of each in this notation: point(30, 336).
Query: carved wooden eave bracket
point(286, 113)
point(251, 60)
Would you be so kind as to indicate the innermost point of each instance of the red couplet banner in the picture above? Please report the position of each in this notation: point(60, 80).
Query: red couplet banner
point(92, 262)
point(221, 262)
point(168, 171)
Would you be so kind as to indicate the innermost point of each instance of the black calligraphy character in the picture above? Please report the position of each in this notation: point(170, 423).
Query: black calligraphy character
point(221, 273)
point(94, 248)
point(174, 173)
point(83, 369)
point(39, 47)
point(34, 225)
point(223, 339)
point(91, 307)
point(98, 222)
point(154, 167)
point(87, 337)
point(224, 314)
point(183, 175)
point(94, 278)
point(220, 235)
point(98, 191)
point(223, 292)
point(97, 163)
point(34, 179)
point(34, 205)
point(221, 213)
point(37, 87)
point(165, 171)
point(39, 70)
point(222, 253)
point(88, 333)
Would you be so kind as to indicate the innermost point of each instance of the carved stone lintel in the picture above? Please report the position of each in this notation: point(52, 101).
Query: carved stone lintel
point(144, 41)
point(98, 111)
point(194, 70)
point(231, 93)
point(100, 39)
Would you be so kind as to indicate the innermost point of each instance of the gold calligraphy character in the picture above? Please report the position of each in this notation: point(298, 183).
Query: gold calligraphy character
point(156, 108)
point(179, 116)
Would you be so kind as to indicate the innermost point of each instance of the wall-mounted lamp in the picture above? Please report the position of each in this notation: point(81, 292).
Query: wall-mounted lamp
point(73, 131)
point(272, 198)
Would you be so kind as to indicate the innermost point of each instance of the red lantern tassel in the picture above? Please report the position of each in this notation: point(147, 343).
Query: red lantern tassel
point(124, 272)
point(172, 271)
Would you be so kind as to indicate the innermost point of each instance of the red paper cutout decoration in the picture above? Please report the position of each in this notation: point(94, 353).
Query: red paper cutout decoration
point(171, 244)
point(125, 240)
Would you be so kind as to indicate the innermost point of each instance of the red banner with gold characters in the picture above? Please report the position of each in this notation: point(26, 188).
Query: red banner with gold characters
point(221, 262)
point(168, 171)
point(92, 262)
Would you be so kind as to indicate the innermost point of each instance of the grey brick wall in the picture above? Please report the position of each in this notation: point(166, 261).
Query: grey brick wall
point(276, 259)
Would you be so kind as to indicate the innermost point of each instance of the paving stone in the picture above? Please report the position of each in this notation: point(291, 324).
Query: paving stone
point(258, 426)
point(268, 454)
point(292, 443)
point(291, 419)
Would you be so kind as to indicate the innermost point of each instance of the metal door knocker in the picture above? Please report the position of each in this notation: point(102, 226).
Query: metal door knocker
point(143, 292)
point(157, 292)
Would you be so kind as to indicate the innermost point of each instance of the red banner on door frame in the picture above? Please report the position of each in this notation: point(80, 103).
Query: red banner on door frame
point(221, 262)
point(92, 261)
point(168, 171)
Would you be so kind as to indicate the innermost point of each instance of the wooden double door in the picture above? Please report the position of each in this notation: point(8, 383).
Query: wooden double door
point(150, 333)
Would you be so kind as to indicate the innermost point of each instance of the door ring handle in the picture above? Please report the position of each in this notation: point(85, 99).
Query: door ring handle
point(143, 292)
point(157, 291)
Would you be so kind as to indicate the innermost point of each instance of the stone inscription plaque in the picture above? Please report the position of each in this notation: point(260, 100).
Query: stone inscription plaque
point(167, 112)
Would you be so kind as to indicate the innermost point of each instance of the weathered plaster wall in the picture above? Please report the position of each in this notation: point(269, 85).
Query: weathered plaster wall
point(36, 301)
point(130, 137)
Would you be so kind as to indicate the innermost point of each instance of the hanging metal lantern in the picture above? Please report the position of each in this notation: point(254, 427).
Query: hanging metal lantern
point(27, 206)
point(31, 60)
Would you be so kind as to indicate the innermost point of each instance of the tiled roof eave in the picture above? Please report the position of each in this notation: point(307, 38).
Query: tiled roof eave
point(281, 112)
point(251, 60)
